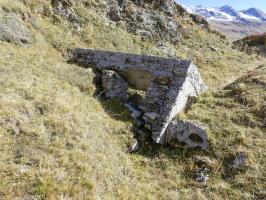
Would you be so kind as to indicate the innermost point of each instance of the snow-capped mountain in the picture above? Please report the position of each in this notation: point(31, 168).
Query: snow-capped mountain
point(255, 13)
point(227, 14)
point(233, 23)
point(229, 10)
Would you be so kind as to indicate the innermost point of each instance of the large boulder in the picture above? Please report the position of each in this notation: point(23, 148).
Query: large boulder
point(188, 133)
point(13, 30)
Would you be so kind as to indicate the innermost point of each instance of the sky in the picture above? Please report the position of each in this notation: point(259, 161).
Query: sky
point(237, 4)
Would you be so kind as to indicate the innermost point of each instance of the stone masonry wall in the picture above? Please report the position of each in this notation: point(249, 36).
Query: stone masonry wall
point(168, 83)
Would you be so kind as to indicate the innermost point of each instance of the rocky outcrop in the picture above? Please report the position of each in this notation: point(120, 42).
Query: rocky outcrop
point(65, 9)
point(240, 160)
point(168, 83)
point(157, 20)
point(13, 30)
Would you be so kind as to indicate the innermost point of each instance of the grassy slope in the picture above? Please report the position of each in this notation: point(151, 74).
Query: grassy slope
point(59, 142)
point(236, 31)
point(253, 44)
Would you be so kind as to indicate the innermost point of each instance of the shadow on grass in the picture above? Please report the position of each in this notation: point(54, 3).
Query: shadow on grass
point(148, 148)
point(116, 110)
point(177, 151)
point(111, 106)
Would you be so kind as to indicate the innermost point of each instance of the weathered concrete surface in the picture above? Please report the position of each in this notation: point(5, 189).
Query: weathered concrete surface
point(139, 70)
point(168, 82)
point(168, 100)
point(114, 85)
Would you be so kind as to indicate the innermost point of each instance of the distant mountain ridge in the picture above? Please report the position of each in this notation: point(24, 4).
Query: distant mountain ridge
point(255, 13)
point(233, 23)
point(228, 13)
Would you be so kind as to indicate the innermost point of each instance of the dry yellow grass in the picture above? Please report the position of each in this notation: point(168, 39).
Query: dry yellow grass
point(58, 141)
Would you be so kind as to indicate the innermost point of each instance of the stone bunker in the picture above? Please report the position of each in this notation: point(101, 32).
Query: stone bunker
point(169, 84)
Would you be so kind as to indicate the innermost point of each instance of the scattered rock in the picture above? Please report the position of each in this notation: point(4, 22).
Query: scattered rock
point(136, 113)
point(23, 169)
point(145, 35)
point(166, 49)
point(213, 48)
point(150, 116)
point(134, 147)
point(186, 132)
point(64, 8)
point(13, 30)
point(201, 175)
point(27, 17)
point(200, 20)
point(61, 176)
point(149, 119)
point(168, 7)
point(114, 13)
point(240, 160)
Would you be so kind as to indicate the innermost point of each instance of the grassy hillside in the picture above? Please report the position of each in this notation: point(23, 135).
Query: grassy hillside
point(58, 141)
point(236, 31)
point(253, 44)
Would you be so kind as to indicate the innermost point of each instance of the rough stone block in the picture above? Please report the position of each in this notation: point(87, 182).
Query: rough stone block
point(114, 85)
point(188, 133)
